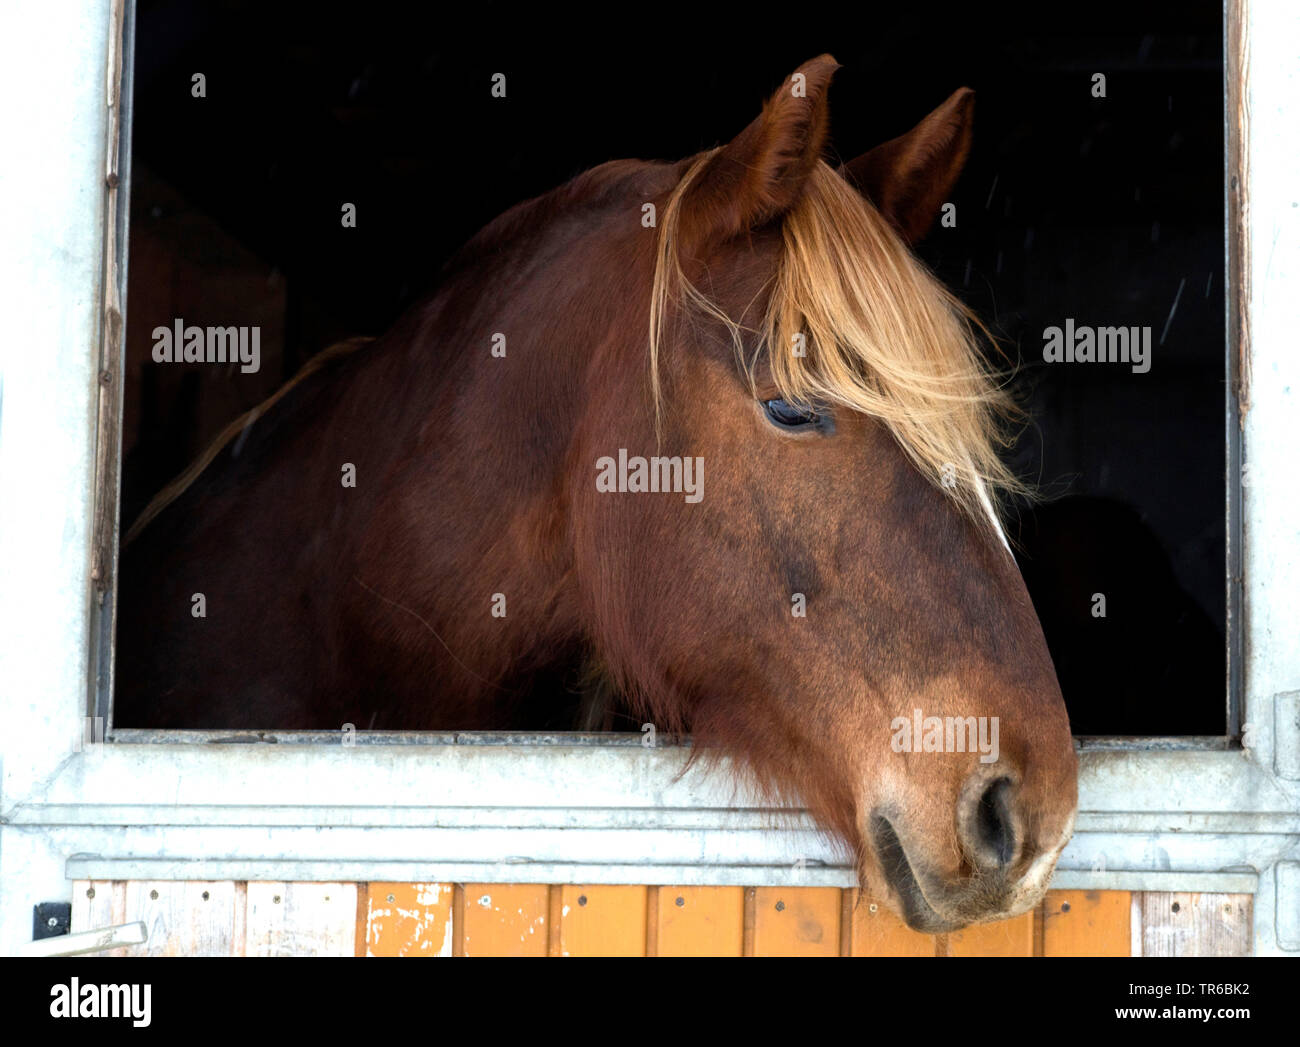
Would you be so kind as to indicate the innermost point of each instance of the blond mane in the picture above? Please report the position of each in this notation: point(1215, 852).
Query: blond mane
point(881, 335)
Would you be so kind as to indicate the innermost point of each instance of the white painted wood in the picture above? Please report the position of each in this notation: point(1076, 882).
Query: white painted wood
point(1188, 924)
point(184, 917)
point(301, 919)
point(98, 903)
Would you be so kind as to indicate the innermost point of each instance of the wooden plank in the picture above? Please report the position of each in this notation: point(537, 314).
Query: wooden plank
point(699, 921)
point(183, 917)
point(301, 919)
point(875, 931)
point(363, 913)
point(1177, 924)
point(747, 949)
point(505, 919)
point(408, 919)
point(240, 945)
point(1087, 923)
point(796, 921)
point(602, 921)
point(652, 920)
point(1013, 937)
point(99, 903)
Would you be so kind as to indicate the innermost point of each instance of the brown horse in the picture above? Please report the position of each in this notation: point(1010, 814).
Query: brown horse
point(770, 524)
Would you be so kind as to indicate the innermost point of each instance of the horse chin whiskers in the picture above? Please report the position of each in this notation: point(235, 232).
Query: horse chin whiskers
point(900, 878)
point(982, 896)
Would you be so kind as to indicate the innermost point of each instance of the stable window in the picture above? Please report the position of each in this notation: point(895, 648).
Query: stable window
point(225, 159)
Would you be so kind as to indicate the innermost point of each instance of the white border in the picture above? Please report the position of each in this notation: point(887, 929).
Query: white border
point(1165, 820)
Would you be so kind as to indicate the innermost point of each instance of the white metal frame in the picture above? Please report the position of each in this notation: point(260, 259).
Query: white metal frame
point(1152, 817)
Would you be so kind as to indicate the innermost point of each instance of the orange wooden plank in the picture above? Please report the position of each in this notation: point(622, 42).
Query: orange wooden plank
point(505, 919)
point(1013, 937)
point(796, 921)
point(602, 921)
point(700, 921)
point(876, 931)
point(1087, 923)
point(409, 919)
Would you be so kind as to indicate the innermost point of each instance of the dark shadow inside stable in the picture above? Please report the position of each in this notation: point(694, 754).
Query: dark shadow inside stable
point(1106, 211)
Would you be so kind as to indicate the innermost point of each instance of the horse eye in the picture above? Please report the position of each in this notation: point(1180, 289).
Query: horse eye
point(787, 416)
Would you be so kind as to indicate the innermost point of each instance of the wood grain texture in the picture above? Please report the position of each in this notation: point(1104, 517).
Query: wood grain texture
point(603, 921)
point(1087, 923)
point(1013, 937)
point(876, 931)
point(796, 921)
point(193, 918)
point(699, 921)
point(408, 919)
point(505, 919)
point(96, 904)
point(181, 917)
point(1194, 924)
point(301, 919)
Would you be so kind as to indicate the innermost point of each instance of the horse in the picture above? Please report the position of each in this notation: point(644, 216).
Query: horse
point(438, 528)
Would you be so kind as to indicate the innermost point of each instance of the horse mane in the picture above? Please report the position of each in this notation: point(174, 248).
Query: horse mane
point(182, 483)
point(881, 335)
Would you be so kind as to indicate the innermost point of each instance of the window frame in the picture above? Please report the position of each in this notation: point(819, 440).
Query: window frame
point(1177, 814)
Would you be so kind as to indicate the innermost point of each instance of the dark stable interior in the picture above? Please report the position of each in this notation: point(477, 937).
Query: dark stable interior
point(1108, 211)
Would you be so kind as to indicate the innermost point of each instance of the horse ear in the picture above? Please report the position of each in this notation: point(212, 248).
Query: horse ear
point(761, 172)
point(908, 178)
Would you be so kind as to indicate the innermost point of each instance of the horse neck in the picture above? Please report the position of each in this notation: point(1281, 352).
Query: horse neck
point(466, 545)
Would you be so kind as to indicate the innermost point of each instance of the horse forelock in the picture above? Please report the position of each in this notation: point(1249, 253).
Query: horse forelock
point(854, 319)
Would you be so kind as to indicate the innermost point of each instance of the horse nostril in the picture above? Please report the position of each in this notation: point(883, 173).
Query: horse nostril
point(993, 826)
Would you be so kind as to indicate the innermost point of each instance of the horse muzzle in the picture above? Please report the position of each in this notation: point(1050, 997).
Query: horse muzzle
point(1002, 873)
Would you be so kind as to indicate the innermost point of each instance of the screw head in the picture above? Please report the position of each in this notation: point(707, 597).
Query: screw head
point(582, 899)
point(679, 901)
point(780, 906)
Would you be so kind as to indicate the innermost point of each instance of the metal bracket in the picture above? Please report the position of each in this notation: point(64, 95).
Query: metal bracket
point(51, 919)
